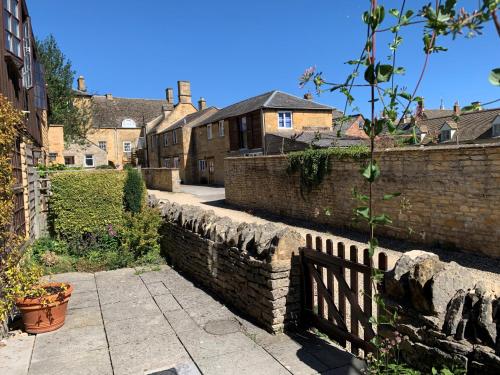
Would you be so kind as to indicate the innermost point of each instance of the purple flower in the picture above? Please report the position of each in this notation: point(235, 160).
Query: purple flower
point(306, 76)
point(111, 231)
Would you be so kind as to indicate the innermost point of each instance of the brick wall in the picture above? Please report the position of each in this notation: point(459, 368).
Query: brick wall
point(166, 179)
point(251, 267)
point(450, 195)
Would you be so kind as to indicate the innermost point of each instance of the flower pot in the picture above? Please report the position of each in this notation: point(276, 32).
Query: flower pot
point(47, 313)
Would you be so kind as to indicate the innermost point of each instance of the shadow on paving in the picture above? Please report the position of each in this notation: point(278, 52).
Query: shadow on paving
point(465, 259)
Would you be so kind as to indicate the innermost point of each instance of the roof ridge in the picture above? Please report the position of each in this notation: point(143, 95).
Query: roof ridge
point(266, 103)
point(463, 114)
point(120, 97)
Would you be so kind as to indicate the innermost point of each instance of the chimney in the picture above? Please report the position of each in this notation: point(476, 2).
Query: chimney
point(184, 88)
point(308, 96)
point(109, 96)
point(81, 84)
point(170, 95)
point(202, 104)
point(456, 108)
point(166, 109)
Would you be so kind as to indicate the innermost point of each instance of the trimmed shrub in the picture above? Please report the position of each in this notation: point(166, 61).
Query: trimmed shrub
point(134, 191)
point(84, 203)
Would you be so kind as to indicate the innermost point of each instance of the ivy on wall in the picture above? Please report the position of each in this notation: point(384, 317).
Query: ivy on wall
point(85, 202)
point(314, 164)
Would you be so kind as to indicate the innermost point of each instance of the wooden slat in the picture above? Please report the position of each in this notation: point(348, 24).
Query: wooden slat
point(354, 286)
point(309, 241)
point(367, 292)
point(307, 301)
point(335, 332)
point(321, 297)
point(340, 275)
point(329, 277)
point(327, 261)
point(321, 285)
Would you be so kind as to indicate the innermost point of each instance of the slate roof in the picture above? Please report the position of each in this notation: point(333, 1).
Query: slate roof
point(472, 126)
point(272, 99)
point(109, 113)
point(436, 113)
point(343, 127)
point(193, 119)
point(326, 139)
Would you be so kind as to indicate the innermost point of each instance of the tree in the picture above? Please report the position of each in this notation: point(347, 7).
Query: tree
point(59, 77)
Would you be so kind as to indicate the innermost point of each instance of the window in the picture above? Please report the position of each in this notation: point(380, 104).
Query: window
point(69, 160)
point(209, 131)
point(27, 72)
point(12, 24)
point(165, 140)
point(174, 137)
point(89, 160)
point(52, 156)
point(496, 130)
point(445, 135)
point(128, 123)
point(221, 128)
point(243, 133)
point(127, 147)
point(284, 120)
point(102, 145)
point(176, 162)
point(167, 163)
point(202, 165)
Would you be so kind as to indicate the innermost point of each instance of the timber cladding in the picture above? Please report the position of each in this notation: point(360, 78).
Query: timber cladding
point(449, 195)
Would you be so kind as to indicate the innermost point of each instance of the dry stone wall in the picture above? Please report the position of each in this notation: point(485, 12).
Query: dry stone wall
point(450, 317)
point(450, 195)
point(251, 267)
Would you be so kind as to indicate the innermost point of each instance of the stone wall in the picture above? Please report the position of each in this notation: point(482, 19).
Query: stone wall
point(450, 316)
point(166, 179)
point(251, 267)
point(449, 194)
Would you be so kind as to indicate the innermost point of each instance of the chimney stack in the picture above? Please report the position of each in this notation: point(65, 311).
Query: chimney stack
point(202, 104)
point(81, 84)
point(170, 95)
point(184, 88)
point(308, 96)
point(456, 108)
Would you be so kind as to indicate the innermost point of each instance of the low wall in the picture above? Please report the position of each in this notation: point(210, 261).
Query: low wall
point(251, 267)
point(166, 179)
point(449, 195)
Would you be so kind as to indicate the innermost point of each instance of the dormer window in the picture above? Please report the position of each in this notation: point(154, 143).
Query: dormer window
point(128, 123)
point(447, 131)
point(12, 24)
point(495, 128)
point(445, 135)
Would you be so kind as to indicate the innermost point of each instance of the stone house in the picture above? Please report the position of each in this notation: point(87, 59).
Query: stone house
point(85, 154)
point(248, 127)
point(115, 123)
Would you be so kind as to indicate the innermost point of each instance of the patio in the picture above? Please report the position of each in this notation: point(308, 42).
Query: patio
point(158, 322)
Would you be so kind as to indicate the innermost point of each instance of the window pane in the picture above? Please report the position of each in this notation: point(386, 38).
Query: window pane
point(6, 4)
point(16, 43)
point(15, 27)
point(14, 8)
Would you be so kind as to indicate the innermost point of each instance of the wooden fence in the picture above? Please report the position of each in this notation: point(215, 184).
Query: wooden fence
point(338, 292)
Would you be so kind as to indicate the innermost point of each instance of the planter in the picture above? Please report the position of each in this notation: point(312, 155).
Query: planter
point(47, 313)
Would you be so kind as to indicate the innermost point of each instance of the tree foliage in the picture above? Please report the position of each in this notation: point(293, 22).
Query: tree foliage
point(134, 191)
point(59, 76)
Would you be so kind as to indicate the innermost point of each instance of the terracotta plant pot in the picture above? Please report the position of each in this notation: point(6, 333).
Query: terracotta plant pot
point(45, 314)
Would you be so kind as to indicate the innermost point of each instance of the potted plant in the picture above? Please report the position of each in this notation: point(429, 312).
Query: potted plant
point(42, 305)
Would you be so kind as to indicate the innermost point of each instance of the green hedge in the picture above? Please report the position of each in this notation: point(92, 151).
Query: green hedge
point(85, 202)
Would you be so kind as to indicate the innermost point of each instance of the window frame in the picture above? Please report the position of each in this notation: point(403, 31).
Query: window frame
point(176, 162)
point(202, 162)
point(448, 133)
point(209, 131)
point(243, 133)
point(174, 137)
point(71, 157)
point(495, 130)
point(127, 142)
point(221, 128)
point(129, 121)
point(165, 139)
point(27, 70)
point(284, 120)
point(100, 144)
point(8, 16)
point(86, 158)
point(52, 156)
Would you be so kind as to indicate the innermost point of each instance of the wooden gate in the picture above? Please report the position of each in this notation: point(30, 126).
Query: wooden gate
point(333, 285)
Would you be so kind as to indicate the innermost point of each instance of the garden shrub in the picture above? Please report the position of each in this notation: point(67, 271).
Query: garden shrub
point(85, 203)
point(134, 191)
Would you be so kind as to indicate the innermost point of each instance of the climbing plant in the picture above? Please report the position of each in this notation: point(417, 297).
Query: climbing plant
point(436, 19)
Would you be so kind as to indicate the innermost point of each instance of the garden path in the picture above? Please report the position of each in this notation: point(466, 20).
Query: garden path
point(158, 322)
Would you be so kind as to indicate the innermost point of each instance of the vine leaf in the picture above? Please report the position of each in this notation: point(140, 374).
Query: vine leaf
point(363, 212)
point(371, 172)
point(390, 196)
point(494, 77)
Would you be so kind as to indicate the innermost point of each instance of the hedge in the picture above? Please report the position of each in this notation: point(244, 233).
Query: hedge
point(85, 202)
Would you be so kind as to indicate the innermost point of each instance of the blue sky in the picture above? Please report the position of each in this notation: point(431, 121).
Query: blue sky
point(231, 50)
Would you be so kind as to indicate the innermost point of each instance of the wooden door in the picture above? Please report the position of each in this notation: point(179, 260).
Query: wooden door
point(211, 170)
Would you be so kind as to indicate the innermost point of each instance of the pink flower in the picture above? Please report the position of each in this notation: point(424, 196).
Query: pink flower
point(306, 76)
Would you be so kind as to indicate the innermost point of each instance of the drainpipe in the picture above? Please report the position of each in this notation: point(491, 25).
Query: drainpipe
point(116, 145)
point(263, 124)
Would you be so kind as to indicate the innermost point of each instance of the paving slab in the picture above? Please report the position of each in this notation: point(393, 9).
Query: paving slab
point(83, 299)
point(156, 276)
point(71, 277)
point(167, 302)
point(16, 354)
point(140, 328)
point(94, 362)
point(182, 369)
point(250, 362)
point(129, 309)
point(161, 352)
point(68, 343)
point(157, 288)
point(84, 317)
point(123, 290)
point(181, 321)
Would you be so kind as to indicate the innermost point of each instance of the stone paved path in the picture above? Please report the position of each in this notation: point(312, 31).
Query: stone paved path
point(121, 322)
